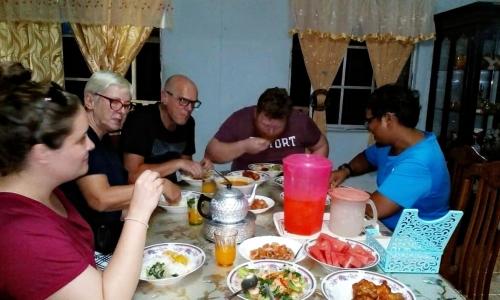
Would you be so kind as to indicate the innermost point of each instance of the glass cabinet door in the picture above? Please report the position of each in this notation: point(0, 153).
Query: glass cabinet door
point(486, 121)
point(442, 75)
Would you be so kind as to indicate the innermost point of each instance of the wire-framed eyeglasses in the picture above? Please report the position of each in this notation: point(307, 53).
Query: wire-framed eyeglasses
point(117, 104)
point(184, 101)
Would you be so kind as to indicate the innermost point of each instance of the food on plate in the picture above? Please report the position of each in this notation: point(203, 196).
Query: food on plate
point(177, 257)
point(335, 252)
point(283, 283)
point(170, 264)
point(251, 174)
point(367, 290)
point(258, 204)
point(272, 251)
point(239, 182)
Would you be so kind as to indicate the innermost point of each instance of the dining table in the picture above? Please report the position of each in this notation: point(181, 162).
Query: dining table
point(209, 282)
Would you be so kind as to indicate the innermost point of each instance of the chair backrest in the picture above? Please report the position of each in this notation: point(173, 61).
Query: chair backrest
point(459, 159)
point(464, 165)
point(479, 250)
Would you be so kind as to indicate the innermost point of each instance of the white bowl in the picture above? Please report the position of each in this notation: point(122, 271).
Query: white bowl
point(156, 253)
point(195, 182)
point(245, 189)
point(332, 268)
point(338, 285)
point(269, 202)
point(248, 245)
point(327, 198)
point(272, 169)
point(259, 266)
point(181, 206)
point(262, 176)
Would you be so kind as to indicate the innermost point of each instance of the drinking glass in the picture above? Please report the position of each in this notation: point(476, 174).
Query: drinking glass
point(225, 246)
point(194, 217)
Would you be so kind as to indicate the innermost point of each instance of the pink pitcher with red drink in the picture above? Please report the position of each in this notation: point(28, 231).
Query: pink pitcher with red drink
point(305, 187)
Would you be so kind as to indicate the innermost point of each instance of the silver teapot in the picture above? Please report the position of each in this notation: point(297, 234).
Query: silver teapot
point(229, 205)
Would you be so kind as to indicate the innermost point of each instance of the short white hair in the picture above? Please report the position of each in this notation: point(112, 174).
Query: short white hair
point(101, 80)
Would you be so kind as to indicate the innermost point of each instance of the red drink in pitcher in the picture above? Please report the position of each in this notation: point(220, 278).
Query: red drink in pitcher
point(305, 186)
point(310, 219)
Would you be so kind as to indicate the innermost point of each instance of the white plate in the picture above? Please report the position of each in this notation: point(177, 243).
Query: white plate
point(192, 181)
point(234, 282)
point(338, 285)
point(269, 202)
point(279, 180)
point(259, 241)
point(180, 207)
point(263, 176)
point(352, 243)
point(279, 222)
point(272, 169)
point(327, 199)
point(156, 253)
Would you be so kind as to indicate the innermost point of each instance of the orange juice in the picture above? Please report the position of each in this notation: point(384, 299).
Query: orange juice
point(208, 186)
point(225, 254)
point(303, 217)
point(194, 217)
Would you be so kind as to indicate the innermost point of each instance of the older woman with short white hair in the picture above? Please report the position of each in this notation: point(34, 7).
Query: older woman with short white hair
point(102, 193)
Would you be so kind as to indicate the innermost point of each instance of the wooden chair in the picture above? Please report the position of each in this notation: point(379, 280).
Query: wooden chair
point(460, 159)
point(478, 253)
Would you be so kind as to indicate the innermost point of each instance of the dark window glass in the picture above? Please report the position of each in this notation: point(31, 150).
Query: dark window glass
point(75, 87)
point(300, 85)
point(338, 77)
point(358, 69)
point(149, 72)
point(74, 63)
point(332, 106)
point(353, 106)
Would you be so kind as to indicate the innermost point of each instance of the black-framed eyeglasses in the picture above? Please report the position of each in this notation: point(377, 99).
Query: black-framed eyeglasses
point(184, 101)
point(368, 121)
point(116, 104)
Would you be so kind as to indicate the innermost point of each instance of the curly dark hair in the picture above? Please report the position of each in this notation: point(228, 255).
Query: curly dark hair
point(401, 101)
point(275, 103)
point(31, 113)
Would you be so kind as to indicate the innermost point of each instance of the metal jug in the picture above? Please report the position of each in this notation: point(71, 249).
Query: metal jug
point(229, 205)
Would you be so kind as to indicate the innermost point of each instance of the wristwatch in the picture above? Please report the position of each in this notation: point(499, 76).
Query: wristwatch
point(347, 167)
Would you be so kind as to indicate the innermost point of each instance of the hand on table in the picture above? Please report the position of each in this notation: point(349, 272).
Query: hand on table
point(172, 192)
point(337, 177)
point(193, 168)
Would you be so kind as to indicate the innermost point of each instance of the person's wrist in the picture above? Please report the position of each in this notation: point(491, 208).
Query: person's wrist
point(347, 168)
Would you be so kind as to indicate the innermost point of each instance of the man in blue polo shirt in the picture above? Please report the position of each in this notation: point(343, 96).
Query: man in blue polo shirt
point(411, 169)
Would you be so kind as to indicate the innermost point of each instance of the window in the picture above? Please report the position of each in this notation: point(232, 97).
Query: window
point(350, 90)
point(144, 72)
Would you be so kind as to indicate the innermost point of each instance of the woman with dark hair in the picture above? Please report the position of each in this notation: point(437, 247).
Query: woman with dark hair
point(411, 169)
point(46, 249)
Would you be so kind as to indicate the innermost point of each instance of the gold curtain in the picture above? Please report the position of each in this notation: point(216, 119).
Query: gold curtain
point(38, 46)
point(388, 57)
point(322, 57)
point(110, 47)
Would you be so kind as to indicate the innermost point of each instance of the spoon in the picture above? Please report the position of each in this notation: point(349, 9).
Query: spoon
point(247, 283)
point(252, 195)
point(297, 253)
point(228, 182)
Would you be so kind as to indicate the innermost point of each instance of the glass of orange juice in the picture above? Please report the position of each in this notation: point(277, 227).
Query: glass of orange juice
point(194, 217)
point(208, 187)
point(225, 246)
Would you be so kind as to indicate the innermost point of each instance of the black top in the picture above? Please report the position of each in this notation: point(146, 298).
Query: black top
point(107, 226)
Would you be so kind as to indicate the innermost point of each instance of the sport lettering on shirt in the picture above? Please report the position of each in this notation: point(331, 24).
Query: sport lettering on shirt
point(283, 142)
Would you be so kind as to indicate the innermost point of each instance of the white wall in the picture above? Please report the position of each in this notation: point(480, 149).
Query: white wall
point(234, 49)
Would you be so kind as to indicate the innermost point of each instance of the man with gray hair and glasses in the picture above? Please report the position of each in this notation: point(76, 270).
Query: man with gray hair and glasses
point(160, 137)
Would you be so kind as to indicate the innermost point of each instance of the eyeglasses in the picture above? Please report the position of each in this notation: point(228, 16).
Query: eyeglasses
point(116, 104)
point(368, 121)
point(184, 101)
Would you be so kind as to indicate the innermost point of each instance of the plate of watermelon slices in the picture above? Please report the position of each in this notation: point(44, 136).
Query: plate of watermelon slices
point(335, 254)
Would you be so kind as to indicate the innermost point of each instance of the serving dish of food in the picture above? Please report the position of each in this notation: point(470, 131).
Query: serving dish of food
point(334, 253)
point(181, 206)
point(357, 284)
point(242, 183)
point(271, 247)
point(258, 176)
point(272, 169)
point(285, 280)
point(169, 263)
point(260, 204)
point(196, 181)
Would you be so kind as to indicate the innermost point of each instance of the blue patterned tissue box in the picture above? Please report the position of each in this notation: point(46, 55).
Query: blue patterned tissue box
point(416, 245)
